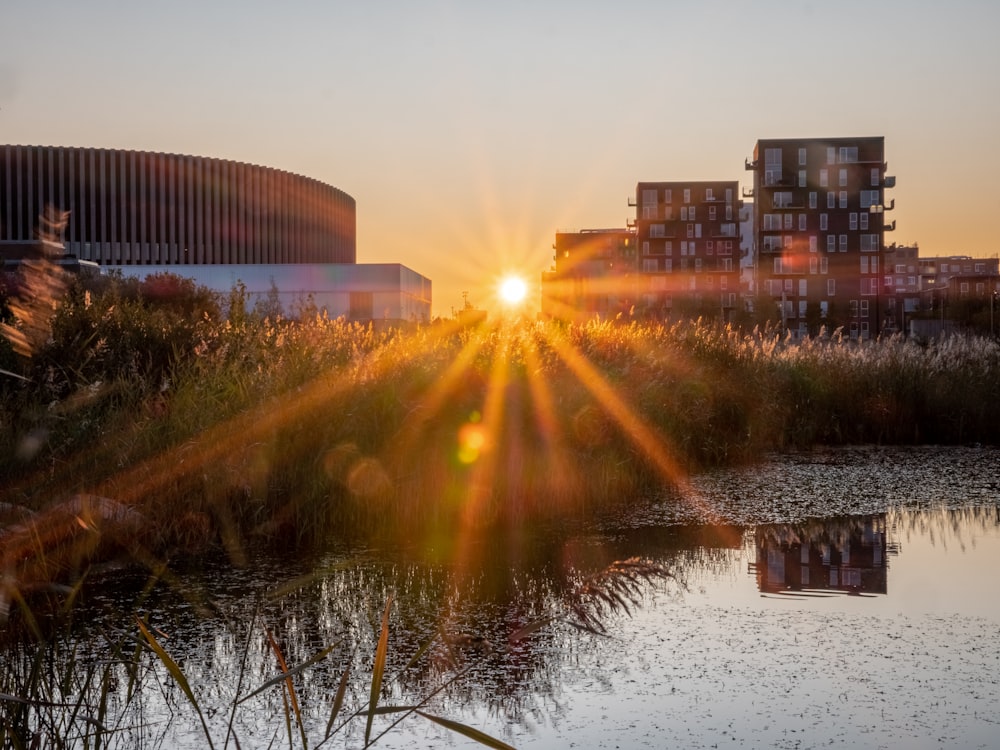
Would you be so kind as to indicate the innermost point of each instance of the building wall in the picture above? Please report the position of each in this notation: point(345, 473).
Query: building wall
point(593, 275)
point(819, 225)
point(369, 292)
point(137, 207)
point(688, 241)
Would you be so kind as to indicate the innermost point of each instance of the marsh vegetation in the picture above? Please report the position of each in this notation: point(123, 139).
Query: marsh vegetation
point(151, 424)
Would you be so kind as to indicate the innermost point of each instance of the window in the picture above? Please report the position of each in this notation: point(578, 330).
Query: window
point(772, 242)
point(645, 247)
point(843, 243)
point(802, 178)
point(684, 247)
point(684, 213)
point(649, 265)
point(668, 213)
point(875, 176)
point(864, 264)
point(729, 195)
point(824, 221)
point(812, 243)
point(788, 221)
point(843, 178)
point(831, 200)
point(864, 308)
point(980, 267)
point(869, 198)
point(782, 199)
point(787, 285)
point(848, 154)
point(772, 166)
point(657, 230)
point(980, 288)
point(854, 308)
point(802, 157)
point(824, 265)
point(697, 265)
point(772, 222)
point(649, 212)
point(869, 243)
point(964, 287)
point(831, 155)
point(831, 243)
point(668, 247)
point(691, 213)
point(824, 178)
point(944, 268)
point(777, 266)
point(687, 195)
point(812, 199)
point(668, 265)
point(803, 286)
point(802, 222)
point(709, 194)
point(900, 268)
point(843, 199)
point(875, 264)
point(727, 265)
point(697, 231)
point(787, 240)
point(711, 213)
point(813, 265)
point(853, 222)
point(668, 196)
point(729, 212)
point(864, 221)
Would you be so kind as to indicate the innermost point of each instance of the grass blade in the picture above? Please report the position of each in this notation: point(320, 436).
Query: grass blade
point(289, 685)
point(338, 700)
point(176, 673)
point(473, 734)
point(378, 670)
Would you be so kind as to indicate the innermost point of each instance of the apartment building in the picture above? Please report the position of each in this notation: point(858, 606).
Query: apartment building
point(688, 242)
point(819, 226)
point(593, 275)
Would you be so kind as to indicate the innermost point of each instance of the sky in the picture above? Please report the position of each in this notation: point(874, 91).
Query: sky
point(470, 132)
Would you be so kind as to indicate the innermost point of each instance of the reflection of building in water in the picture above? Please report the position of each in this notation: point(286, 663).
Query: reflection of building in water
point(833, 554)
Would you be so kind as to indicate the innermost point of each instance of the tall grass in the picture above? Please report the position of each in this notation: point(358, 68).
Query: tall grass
point(223, 430)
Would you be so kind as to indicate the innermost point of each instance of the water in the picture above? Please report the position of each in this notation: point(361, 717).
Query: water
point(840, 598)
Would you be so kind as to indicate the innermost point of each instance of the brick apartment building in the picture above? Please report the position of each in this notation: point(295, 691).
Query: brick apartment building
point(688, 241)
point(593, 275)
point(819, 225)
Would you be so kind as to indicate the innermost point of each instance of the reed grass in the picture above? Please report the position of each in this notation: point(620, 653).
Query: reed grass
point(225, 431)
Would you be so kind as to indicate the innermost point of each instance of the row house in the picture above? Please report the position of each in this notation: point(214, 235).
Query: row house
point(819, 226)
point(687, 236)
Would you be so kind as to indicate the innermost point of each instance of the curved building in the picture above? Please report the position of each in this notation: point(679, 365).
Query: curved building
point(120, 207)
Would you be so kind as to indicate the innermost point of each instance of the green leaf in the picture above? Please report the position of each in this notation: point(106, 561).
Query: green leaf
point(473, 734)
point(176, 673)
point(378, 670)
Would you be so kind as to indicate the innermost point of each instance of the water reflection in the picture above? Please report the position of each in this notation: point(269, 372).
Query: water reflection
point(217, 622)
point(823, 556)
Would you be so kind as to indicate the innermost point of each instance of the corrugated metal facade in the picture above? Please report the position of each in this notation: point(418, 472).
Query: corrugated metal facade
point(139, 207)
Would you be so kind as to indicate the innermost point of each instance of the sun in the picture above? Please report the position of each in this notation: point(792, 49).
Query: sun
point(513, 290)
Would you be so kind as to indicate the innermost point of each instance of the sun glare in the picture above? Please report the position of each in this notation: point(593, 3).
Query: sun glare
point(513, 290)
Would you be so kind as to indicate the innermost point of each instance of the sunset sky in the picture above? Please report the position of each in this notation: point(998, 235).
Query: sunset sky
point(470, 132)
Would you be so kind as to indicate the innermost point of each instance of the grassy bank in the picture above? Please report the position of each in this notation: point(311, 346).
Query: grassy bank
point(227, 429)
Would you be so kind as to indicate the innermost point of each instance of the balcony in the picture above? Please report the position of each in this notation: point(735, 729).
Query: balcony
point(748, 192)
point(632, 202)
point(750, 165)
point(889, 181)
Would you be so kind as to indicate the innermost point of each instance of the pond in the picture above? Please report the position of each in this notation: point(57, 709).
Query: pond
point(844, 598)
